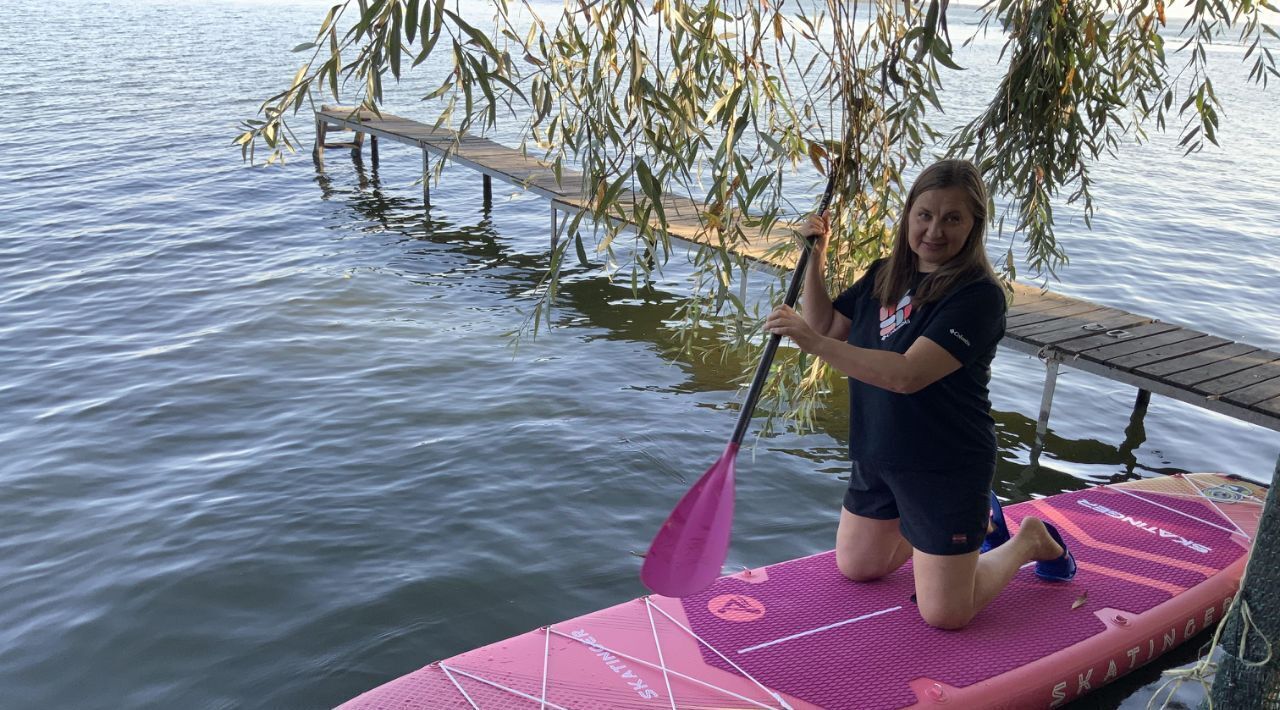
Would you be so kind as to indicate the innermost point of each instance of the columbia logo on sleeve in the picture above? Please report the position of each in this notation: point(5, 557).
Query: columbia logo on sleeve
point(959, 336)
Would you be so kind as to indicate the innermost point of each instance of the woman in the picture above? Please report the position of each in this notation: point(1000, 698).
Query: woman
point(916, 336)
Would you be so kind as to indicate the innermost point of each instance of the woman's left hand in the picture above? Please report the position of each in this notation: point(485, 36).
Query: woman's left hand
point(786, 322)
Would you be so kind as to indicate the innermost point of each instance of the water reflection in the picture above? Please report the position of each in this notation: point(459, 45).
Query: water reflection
point(595, 306)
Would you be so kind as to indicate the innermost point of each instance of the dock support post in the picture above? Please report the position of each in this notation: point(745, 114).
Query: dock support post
point(373, 151)
point(1136, 433)
point(426, 177)
point(555, 228)
point(487, 205)
point(1046, 400)
point(318, 151)
point(1140, 404)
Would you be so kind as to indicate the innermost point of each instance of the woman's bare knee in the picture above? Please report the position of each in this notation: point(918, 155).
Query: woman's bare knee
point(868, 548)
point(859, 570)
point(948, 617)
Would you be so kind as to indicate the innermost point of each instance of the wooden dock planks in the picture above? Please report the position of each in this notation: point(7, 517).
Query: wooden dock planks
point(567, 191)
point(1236, 379)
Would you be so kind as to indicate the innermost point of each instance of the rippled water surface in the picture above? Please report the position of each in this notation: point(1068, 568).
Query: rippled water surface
point(266, 442)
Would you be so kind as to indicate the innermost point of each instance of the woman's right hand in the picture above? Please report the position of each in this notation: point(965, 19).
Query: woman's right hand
point(818, 228)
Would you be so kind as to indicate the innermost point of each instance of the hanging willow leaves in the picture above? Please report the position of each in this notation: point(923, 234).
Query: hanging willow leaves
point(735, 103)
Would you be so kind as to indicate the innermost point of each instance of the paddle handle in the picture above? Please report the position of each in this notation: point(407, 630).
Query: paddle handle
point(771, 348)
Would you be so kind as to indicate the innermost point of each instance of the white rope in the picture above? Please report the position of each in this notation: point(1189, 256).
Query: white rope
point(546, 661)
point(1237, 530)
point(817, 630)
point(458, 685)
point(676, 673)
point(1247, 500)
point(716, 651)
point(658, 645)
point(499, 686)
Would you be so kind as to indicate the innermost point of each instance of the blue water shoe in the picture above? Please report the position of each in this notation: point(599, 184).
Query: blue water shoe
point(999, 534)
point(1060, 569)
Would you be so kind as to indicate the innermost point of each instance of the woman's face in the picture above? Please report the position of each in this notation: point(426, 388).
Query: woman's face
point(939, 226)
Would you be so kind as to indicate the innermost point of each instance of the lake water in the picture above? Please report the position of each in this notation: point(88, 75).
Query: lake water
point(266, 442)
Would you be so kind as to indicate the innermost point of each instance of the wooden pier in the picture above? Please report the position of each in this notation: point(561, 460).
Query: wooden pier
point(493, 160)
point(1235, 379)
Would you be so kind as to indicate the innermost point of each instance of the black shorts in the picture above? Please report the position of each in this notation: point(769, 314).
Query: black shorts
point(942, 512)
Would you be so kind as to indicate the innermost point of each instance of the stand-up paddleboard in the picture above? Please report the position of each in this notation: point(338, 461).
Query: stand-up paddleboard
point(1159, 560)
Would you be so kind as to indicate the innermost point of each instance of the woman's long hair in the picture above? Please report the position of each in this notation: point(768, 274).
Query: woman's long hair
point(894, 278)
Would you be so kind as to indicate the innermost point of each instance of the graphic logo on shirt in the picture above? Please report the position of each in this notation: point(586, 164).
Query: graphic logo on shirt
point(891, 321)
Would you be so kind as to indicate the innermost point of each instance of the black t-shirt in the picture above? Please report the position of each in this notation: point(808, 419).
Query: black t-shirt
point(949, 422)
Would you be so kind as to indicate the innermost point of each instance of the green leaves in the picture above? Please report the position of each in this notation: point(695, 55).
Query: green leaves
point(737, 105)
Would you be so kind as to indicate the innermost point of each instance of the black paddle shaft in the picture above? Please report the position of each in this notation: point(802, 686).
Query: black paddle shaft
point(771, 348)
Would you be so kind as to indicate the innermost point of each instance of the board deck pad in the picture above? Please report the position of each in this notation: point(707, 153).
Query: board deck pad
point(1158, 561)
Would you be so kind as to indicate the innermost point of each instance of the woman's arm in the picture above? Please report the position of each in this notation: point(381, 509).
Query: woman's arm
point(924, 363)
point(819, 313)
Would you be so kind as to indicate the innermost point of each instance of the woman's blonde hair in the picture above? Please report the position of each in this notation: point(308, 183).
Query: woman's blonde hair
point(894, 278)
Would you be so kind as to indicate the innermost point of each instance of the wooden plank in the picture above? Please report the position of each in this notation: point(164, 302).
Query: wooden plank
point(1168, 352)
point(1024, 303)
point(1070, 309)
point(568, 184)
point(506, 164)
point(496, 151)
point(1271, 406)
point(461, 145)
point(1148, 342)
point(1102, 340)
point(1240, 380)
point(1088, 330)
point(1255, 394)
point(1198, 359)
point(1076, 322)
point(1196, 375)
point(486, 148)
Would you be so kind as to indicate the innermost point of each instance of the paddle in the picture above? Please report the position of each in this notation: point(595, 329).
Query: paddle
point(690, 548)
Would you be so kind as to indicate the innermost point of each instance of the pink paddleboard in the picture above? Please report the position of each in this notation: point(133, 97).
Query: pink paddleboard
point(1159, 559)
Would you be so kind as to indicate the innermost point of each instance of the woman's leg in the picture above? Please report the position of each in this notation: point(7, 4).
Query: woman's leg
point(868, 548)
point(952, 589)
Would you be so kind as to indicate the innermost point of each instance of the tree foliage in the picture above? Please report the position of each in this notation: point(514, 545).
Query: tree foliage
point(728, 101)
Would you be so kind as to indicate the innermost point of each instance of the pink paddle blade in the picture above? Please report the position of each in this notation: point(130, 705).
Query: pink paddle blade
point(690, 548)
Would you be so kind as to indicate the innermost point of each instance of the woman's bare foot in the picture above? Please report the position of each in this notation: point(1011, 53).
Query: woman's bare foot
point(1040, 546)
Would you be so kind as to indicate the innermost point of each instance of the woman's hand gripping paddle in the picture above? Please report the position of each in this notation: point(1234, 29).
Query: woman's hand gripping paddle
point(690, 548)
